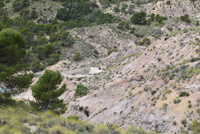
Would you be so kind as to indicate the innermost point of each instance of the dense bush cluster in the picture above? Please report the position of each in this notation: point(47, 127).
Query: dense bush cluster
point(26, 14)
point(145, 25)
point(155, 18)
point(41, 51)
point(141, 18)
point(83, 12)
point(43, 42)
point(20, 4)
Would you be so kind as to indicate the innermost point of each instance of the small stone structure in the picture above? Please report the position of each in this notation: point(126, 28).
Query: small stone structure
point(82, 72)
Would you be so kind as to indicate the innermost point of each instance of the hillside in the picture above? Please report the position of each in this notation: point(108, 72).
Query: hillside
point(25, 120)
point(139, 59)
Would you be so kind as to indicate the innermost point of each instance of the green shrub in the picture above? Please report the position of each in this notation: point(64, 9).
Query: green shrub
point(134, 130)
point(168, 2)
point(198, 111)
point(20, 4)
point(24, 14)
point(116, 9)
point(164, 106)
point(170, 29)
point(189, 105)
point(73, 117)
point(174, 123)
point(123, 25)
point(149, 22)
point(36, 66)
point(34, 14)
point(77, 56)
point(146, 88)
point(177, 100)
point(111, 51)
point(101, 129)
point(139, 18)
point(53, 58)
point(133, 30)
point(100, 18)
point(185, 18)
point(145, 42)
point(124, 7)
point(184, 122)
point(42, 41)
point(197, 23)
point(159, 19)
point(23, 81)
point(152, 17)
point(17, 6)
point(184, 94)
point(81, 90)
point(194, 126)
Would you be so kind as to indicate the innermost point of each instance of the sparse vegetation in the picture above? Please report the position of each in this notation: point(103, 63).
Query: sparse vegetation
point(178, 72)
point(111, 51)
point(24, 118)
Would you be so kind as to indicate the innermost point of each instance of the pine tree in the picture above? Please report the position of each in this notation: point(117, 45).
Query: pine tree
point(46, 92)
point(11, 53)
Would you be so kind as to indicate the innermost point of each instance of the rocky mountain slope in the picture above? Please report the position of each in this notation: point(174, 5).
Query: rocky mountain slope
point(134, 88)
point(155, 86)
